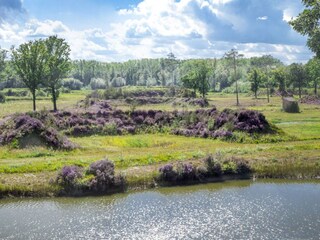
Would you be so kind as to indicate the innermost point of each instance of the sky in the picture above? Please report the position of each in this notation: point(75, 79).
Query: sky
point(118, 30)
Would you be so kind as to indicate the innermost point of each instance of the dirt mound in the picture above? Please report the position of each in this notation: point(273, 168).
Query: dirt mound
point(310, 100)
point(24, 130)
point(191, 101)
point(147, 100)
point(225, 124)
point(244, 120)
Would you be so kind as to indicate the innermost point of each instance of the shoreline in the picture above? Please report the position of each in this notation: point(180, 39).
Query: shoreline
point(53, 192)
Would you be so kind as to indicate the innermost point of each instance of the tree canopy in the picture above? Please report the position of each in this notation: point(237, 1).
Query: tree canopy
point(308, 24)
point(30, 63)
point(57, 65)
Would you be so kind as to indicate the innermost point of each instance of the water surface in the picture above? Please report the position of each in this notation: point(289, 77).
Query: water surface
point(230, 210)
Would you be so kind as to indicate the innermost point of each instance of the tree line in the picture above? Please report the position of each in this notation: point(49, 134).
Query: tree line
point(46, 63)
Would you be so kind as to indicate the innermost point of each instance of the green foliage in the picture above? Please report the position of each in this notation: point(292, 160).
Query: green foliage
point(29, 61)
point(313, 72)
point(279, 76)
point(297, 76)
point(308, 24)
point(3, 54)
point(243, 87)
point(98, 83)
point(57, 65)
point(72, 83)
point(232, 58)
point(255, 77)
point(196, 77)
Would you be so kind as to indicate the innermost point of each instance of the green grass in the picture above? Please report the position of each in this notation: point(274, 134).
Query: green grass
point(139, 156)
point(23, 104)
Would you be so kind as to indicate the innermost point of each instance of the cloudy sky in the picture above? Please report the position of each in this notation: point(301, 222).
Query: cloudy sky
point(118, 30)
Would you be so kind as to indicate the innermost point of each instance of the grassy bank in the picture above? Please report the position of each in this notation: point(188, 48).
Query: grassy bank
point(138, 157)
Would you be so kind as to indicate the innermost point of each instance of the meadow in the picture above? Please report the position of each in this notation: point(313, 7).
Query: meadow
point(139, 156)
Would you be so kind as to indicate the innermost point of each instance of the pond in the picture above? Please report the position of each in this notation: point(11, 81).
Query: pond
point(228, 210)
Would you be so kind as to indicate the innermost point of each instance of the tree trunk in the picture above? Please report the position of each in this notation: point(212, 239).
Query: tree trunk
point(299, 91)
point(54, 99)
point(235, 76)
point(237, 93)
point(268, 93)
point(255, 94)
point(34, 100)
point(316, 88)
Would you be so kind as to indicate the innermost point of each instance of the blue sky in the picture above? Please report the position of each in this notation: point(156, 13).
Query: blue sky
point(118, 30)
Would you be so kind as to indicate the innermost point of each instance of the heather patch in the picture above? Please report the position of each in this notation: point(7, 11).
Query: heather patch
point(200, 102)
point(310, 100)
point(210, 167)
point(99, 178)
point(18, 129)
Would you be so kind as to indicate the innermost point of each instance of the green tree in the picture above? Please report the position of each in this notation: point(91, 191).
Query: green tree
point(297, 76)
point(232, 56)
point(279, 77)
point(197, 77)
point(254, 76)
point(29, 61)
point(308, 24)
point(3, 54)
point(265, 63)
point(313, 72)
point(58, 64)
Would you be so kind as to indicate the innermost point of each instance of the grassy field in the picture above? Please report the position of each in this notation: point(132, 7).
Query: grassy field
point(139, 156)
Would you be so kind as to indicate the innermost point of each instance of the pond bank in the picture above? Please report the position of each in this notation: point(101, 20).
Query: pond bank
point(43, 189)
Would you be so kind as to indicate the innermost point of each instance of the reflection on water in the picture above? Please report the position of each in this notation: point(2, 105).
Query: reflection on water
point(230, 210)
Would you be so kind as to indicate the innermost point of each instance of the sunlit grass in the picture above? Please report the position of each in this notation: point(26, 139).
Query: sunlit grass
point(139, 156)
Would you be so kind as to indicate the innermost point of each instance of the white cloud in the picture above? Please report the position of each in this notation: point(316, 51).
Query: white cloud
point(263, 18)
point(189, 28)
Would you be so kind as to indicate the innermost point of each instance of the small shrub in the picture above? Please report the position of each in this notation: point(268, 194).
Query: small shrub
point(104, 179)
point(110, 129)
point(98, 83)
point(113, 93)
point(167, 173)
point(201, 172)
point(243, 168)
point(72, 83)
point(221, 133)
point(69, 176)
point(251, 121)
point(186, 171)
point(229, 167)
point(213, 167)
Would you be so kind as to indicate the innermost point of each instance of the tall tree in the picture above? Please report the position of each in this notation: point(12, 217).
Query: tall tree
point(3, 54)
point(313, 72)
point(308, 24)
point(266, 63)
point(233, 56)
point(254, 77)
point(279, 77)
point(297, 76)
point(30, 63)
point(58, 64)
point(196, 77)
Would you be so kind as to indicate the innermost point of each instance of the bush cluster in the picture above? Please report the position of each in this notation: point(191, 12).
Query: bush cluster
point(72, 84)
point(17, 127)
point(244, 120)
point(182, 172)
point(69, 177)
point(210, 167)
point(98, 178)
